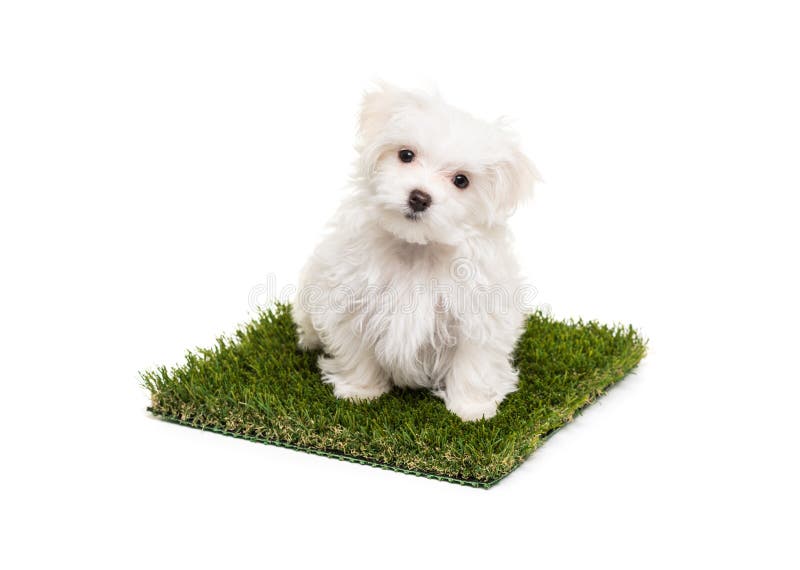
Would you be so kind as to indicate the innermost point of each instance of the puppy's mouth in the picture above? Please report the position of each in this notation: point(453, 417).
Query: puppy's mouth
point(413, 216)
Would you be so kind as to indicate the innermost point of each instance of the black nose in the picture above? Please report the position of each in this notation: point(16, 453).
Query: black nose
point(419, 200)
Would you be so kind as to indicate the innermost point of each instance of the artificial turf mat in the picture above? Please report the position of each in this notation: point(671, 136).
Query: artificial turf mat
point(259, 386)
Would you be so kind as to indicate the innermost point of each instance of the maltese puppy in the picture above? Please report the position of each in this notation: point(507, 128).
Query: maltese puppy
point(415, 285)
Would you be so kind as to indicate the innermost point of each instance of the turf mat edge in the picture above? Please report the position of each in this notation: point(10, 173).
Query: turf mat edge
point(333, 454)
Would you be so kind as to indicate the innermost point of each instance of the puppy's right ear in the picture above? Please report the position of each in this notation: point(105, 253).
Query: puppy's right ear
point(377, 109)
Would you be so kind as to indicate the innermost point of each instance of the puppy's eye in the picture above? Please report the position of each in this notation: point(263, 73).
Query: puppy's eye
point(406, 155)
point(460, 181)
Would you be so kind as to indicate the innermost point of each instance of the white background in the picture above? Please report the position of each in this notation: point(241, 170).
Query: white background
point(159, 161)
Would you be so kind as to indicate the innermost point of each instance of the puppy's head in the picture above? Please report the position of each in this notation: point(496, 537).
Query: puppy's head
point(434, 173)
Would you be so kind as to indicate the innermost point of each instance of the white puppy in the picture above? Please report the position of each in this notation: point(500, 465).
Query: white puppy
point(415, 285)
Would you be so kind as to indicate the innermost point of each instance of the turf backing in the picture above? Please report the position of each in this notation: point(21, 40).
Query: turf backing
point(259, 386)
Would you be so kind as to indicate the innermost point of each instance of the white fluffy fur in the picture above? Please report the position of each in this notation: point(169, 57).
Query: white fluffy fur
point(401, 301)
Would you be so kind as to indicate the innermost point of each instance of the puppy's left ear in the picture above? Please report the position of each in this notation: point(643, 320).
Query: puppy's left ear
point(514, 178)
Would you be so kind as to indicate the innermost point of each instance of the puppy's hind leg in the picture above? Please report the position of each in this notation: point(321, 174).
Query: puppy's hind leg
point(358, 376)
point(307, 335)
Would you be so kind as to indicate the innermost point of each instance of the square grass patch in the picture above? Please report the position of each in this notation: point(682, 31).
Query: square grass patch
point(258, 385)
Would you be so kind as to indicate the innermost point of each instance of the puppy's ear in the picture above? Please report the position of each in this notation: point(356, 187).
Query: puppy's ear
point(514, 178)
point(378, 107)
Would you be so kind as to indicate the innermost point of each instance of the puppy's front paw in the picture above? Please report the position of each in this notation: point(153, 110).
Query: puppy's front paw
point(471, 411)
point(345, 391)
point(366, 381)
